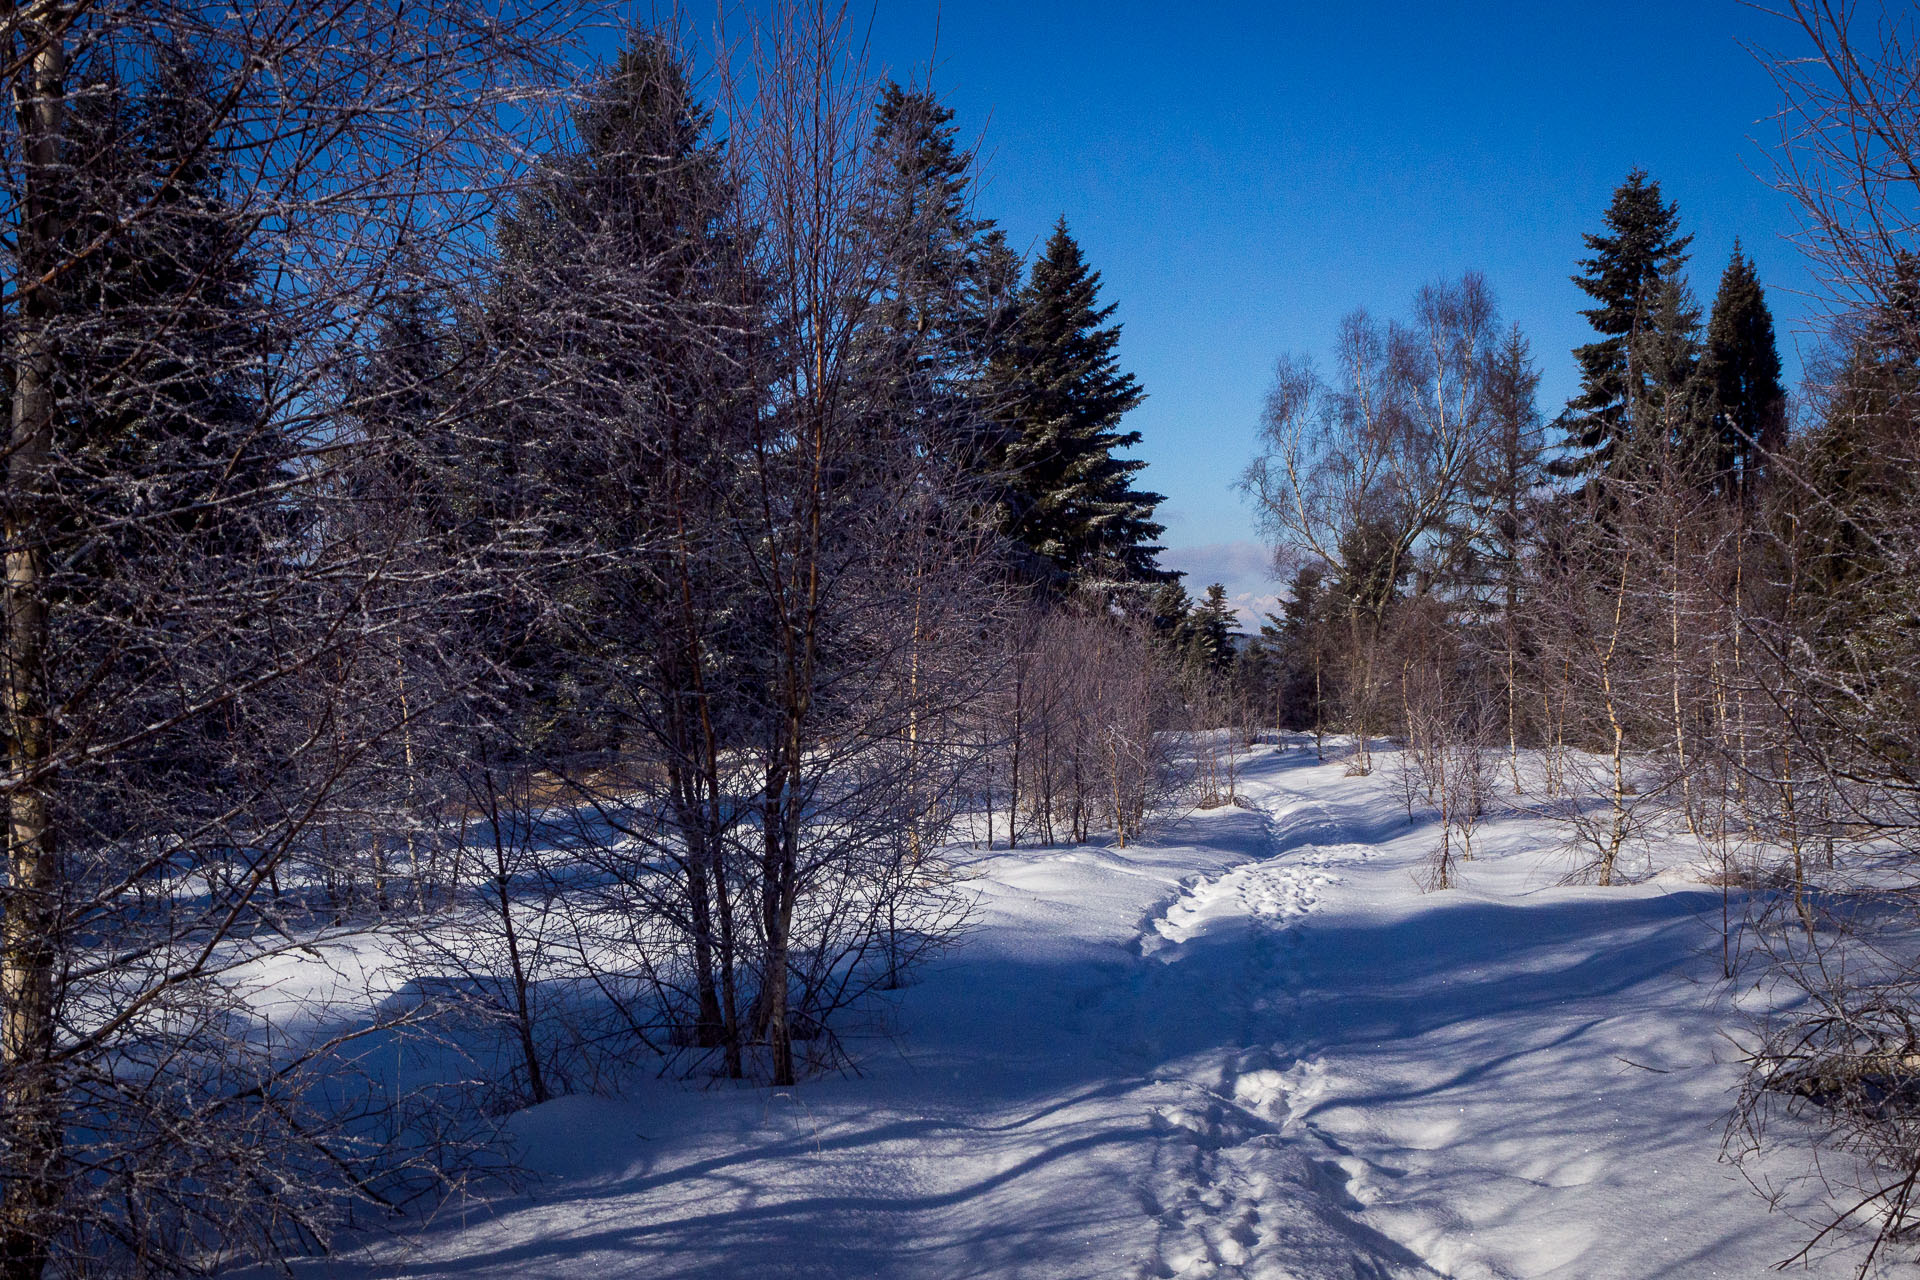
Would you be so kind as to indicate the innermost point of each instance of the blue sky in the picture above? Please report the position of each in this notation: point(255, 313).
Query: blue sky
point(1243, 175)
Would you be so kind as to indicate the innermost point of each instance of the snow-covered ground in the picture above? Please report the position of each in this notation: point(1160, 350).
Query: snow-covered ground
point(1250, 1046)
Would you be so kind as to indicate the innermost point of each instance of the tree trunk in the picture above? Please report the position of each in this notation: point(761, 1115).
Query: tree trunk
point(1679, 712)
point(1610, 855)
point(1319, 726)
point(516, 958)
point(1013, 773)
point(709, 1024)
point(776, 902)
point(30, 1131)
point(1513, 710)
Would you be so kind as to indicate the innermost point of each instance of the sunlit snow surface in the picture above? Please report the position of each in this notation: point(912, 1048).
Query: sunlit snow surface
point(1250, 1047)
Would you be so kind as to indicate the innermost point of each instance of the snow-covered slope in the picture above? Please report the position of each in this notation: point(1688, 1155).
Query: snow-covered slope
point(1250, 1047)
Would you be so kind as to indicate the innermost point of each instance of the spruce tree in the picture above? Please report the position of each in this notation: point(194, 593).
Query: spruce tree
point(1670, 416)
point(1300, 634)
point(1212, 650)
point(168, 417)
point(1740, 373)
point(1170, 614)
point(401, 395)
point(945, 287)
point(623, 300)
point(1506, 476)
point(1854, 487)
point(166, 457)
point(928, 242)
point(1639, 253)
point(1503, 489)
point(1056, 383)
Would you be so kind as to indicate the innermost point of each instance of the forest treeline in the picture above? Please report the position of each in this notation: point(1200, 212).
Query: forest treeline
point(586, 542)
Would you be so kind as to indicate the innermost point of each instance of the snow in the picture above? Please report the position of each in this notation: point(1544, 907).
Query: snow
point(1247, 1047)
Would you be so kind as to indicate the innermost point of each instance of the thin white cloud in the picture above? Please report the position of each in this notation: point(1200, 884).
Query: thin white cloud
point(1244, 561)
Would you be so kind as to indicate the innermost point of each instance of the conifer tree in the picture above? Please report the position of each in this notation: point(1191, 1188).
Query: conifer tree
point(1855, 487)
point(1502, 488)
point(619, 294)
point(932, 249)
point(1506, 475)
point(170, 416)
point(1299, 634)
point(1670, 415)
point(1056, 382)
point(625, 273)
point(944, 296)
point(1170, 613)
point(1740, 373)
point(1640, 251)
point(1212, 650)
point(164, 445)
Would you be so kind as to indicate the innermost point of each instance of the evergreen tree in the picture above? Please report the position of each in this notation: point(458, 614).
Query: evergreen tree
point(1843, 533)
point(1740, 372)
point(945, 288)
point(1211, 649)
point(1638, 255)
point(1370, 570)
point(623, 300)
point(1503, 489)
point(167, 369)
point(1670, 415)
point(1855, 486)
point(1057, 383)
point(166, 458)
point(933, 309)
point(1299, 634)
point(1504, 477)
point(401, 395)
point(1170, 614)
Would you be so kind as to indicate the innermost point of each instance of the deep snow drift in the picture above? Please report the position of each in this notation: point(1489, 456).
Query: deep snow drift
point(1248, 1047)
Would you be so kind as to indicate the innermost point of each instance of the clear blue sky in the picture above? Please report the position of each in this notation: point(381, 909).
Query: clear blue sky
point(1243, 175)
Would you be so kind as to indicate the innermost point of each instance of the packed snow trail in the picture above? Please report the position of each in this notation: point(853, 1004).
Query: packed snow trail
point(1249, 1047)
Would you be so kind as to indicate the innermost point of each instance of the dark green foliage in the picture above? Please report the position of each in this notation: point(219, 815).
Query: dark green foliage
point(1370, 571)
point(1740, 373)
point(1212, 645)
point(1170, 614)
point(166, 461)
point(1056, 383)
point(1855, 490)
point(621, 303)
point(947, 278)
point(1507, 478)
point(401, 394)
point(166, 368)
point(1640, 253)
point(1671, 415)
point(442, 479)
point(1300, 638)
point(1845, 529)
point(1197, 636)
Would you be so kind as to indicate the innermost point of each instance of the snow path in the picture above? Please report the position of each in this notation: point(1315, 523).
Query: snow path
point(1247, 1048)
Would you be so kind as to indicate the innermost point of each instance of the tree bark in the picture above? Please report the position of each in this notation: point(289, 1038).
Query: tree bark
point(30, 1131)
